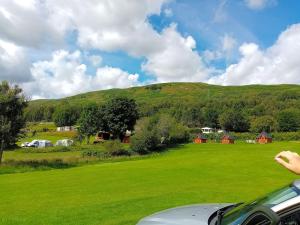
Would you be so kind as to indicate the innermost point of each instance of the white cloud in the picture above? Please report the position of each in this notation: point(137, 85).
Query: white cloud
point(259, 4)
point(14, 65)
point(110, 25)
point(123, 25)
point(66, 75)
point(176, 61)
point(26, 23)
point(275, 65)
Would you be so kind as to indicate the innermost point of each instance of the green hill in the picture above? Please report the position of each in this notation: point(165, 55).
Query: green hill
point(178, 91)
point(156, 97)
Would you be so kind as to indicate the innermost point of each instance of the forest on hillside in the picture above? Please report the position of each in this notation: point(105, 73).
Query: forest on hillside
point(240, 109)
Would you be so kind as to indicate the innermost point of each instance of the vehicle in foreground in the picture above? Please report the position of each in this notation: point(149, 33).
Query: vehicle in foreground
point(280, 207)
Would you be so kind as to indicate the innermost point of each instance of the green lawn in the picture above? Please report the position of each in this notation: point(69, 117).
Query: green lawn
point(123, 192)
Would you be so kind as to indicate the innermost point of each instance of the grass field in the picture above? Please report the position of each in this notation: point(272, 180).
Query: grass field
point(120, 193)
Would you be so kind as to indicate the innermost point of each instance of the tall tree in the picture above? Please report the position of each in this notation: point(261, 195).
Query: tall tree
point(91, 121)
point(234, 120)
point(289, 120)
point(65, 116)
point(263, 123)
point(211, 116)
point(12, 104)
point(121, 115)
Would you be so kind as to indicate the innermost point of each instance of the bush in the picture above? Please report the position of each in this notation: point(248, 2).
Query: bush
point(145, 142)
point(114, 148)
point(157, 132)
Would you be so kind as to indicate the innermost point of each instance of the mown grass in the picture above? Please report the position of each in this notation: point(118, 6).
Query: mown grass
point(120, 193)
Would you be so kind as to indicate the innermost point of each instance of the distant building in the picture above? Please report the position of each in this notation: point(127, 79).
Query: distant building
point(65, 128)
point(207, 130)
point(227, 139)
point(200, 139)
point(264, 138)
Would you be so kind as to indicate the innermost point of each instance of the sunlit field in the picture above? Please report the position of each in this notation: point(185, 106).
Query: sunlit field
point(121, 193)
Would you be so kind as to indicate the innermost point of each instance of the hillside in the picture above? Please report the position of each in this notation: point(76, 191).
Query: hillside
point(177, 91)
point(265, 99)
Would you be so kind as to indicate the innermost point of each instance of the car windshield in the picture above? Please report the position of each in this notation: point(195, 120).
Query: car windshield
point(237, 215)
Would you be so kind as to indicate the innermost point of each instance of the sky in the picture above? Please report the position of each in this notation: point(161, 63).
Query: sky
point(54, 48)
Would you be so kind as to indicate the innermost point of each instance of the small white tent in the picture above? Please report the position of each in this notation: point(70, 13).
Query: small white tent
point(44, 144)
point(64, 142)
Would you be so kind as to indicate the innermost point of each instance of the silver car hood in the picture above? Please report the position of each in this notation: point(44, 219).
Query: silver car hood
point(185, 215)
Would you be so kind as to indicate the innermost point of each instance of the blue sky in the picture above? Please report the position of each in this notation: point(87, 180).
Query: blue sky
point(76, 46)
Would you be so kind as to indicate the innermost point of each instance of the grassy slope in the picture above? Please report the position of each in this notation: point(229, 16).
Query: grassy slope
point(188, 92)
point(121, 193)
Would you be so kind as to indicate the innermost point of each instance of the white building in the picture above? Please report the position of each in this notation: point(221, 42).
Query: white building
point(207, 130)
point(65, 128)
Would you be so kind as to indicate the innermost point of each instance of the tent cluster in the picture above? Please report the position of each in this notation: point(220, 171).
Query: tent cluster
point(46, 143)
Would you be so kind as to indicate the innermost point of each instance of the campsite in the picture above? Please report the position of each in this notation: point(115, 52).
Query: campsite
point(112, 111)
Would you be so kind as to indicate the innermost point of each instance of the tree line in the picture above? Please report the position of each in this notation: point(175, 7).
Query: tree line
point(250, 113)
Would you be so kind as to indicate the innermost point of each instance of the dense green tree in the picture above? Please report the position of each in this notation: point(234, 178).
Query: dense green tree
point(233, 120)
point(12, 104)
point(211, 117)
point(65, 116)
point(192, 117)
point(91, 121)
point(289, 120)
point(263, 123)
point(158, 131)
point(146, 138)
point(120, 115)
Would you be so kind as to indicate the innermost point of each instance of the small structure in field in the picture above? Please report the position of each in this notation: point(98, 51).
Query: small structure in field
point(264, 138)
point(200, 139)
point(249, 141)
point(38, 144)
point(227, 139)
point(101, 136)
point(126, 138)
point(64, 142)
point(65, 128)
point(207, 130)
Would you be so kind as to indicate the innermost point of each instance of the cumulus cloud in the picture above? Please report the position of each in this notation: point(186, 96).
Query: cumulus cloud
point(110, 25)
point(176, 61)
point(123, 25)
point(259, 4)
point(27, 23)
point(14, 65)
point(275, 65)
point(66, 75)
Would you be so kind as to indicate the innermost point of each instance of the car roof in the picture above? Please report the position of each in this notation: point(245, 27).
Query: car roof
point(290, 202)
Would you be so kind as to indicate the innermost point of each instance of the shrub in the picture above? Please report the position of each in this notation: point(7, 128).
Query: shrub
point(114, 148)
point(157, 132)
point(145, 142)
